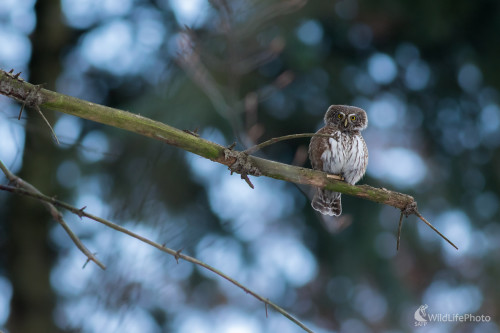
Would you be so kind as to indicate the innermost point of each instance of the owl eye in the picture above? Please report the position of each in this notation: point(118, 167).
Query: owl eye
point(340, 116)
point(353, 118)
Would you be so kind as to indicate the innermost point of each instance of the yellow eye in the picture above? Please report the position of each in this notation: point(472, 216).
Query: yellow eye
point(353, 118)
point(340, 116)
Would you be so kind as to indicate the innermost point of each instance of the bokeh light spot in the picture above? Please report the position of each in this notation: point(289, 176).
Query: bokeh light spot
point(95, 146)
point(455, 224)
point(417, 75)
point(399, 166)
point(470, 78)
point(382, 68)
point(190, 13)
point(68, 174)
point(310, 32)
point(68, 129)
point(5, 296)
point(443, 298)
point(486, 204)
point(490, 118)
point(386, 111)
point(110, 47)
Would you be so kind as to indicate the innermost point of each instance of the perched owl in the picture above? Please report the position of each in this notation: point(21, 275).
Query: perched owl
point(344, 153)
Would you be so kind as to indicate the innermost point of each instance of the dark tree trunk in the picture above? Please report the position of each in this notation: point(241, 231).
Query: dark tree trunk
point(30, 255)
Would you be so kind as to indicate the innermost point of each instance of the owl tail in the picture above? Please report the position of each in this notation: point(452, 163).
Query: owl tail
point(327, 202)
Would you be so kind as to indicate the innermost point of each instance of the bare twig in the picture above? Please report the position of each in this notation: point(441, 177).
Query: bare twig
point(399, 230)
point(411, 209)
point(32, 99)
point(433, 228)
point(176, 254)
point(37, 108)
point(25, 187)
point(269, 142)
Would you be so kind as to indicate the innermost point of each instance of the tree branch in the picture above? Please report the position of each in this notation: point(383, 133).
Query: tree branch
point(176, 254)
point(20, 90)
point(14, 87)
point(25, 187)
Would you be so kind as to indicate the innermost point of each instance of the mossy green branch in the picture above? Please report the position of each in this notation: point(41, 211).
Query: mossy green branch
point(14, 87)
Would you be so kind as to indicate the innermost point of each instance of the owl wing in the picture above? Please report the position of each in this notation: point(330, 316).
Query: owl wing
point(318, 145)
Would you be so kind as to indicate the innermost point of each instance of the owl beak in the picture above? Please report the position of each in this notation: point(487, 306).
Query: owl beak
point(345, 123)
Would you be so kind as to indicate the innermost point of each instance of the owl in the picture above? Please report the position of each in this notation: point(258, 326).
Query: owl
point(344, 153)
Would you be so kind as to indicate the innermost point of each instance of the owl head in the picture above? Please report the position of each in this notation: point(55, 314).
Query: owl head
point(346, 118)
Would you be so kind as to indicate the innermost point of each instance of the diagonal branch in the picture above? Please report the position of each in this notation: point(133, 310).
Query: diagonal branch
point(25, 187)
point(20, 90)
point(176, 254)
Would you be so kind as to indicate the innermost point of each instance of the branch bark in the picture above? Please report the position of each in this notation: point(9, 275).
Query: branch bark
point(30, 191)
point(240, 162)
point(24, 92)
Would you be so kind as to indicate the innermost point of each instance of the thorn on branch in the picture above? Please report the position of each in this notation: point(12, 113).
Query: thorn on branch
point(80, 211)
point(245, 177)
point(14, 76)
point(231, 146)
point(92, 258)
point(86, 262)
point(193, 133)
point(178, 255)
point(266, 310)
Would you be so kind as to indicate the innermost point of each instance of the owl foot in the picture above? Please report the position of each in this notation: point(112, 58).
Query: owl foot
point(336, 177)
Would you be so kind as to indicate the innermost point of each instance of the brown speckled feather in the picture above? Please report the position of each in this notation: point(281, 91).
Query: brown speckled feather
point(345, 153)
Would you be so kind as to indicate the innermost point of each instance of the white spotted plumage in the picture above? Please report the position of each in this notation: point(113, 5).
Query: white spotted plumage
point(344, 156)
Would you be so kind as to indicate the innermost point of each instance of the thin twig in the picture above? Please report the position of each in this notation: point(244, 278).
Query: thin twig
point(433, 228)
point(33, 100)
point(399, 229)
point(176, 254)
point(56, 215)
point(269, 142)
point(37, 108)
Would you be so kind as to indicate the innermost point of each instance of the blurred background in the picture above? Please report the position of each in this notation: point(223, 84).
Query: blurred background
point(426, 72)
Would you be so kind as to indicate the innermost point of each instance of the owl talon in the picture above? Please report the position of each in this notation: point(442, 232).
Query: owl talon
point(336, 177)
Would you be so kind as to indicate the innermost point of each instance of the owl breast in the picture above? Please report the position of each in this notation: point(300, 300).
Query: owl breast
point(345, 155)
